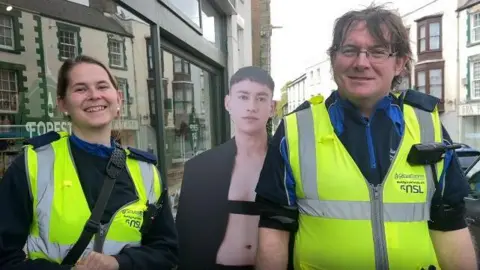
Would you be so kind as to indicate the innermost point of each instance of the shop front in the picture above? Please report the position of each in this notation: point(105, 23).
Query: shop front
point(187, 64)
point(470, 114)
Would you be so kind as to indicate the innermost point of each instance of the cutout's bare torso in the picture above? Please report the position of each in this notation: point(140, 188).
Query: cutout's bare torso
point(239, 245)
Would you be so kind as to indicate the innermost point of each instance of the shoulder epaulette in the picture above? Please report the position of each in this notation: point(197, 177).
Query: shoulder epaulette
point(39, 141)
point(142, 155)
point(420, 100)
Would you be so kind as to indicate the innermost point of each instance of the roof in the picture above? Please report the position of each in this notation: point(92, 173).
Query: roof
point(298, 79)
point(71, 12)
point(468, 4)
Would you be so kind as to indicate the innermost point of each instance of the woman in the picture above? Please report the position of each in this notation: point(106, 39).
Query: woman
point(50, 191)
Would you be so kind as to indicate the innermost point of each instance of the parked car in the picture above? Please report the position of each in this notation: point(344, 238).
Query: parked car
point(466, 155)
point(472, 202)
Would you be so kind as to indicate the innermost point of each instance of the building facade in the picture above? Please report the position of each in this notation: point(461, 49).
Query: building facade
point(319, 80)
point(469, 71)
point(171, 59)
point(261, 39)
point(38, 36)
point(432, 28)
point(296, 92)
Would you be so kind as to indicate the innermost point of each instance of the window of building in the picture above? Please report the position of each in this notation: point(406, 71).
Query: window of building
point(429, 80)
point(180, 65)
point(6, 32)
point(10, 31)
point(68, 41)
point(429, 34)
point(116, 52)
point(474, 27)
point(123, 86)
point(475, 80)
point(8, 91)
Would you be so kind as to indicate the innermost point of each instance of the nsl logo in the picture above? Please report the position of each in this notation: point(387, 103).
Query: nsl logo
point(409, 188)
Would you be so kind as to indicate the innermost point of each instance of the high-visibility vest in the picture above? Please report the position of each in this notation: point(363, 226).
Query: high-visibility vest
point(60, 209)
point(344, 221)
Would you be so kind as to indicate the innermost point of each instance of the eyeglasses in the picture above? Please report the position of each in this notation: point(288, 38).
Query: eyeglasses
point(373, 55)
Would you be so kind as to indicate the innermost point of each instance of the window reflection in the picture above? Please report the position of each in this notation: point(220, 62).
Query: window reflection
point(187, 116)
point(211, 24)
point(191, 8)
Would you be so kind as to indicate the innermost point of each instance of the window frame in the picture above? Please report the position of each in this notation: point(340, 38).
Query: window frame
point(427, 22)
point(15, 16)
point(427, 68)
point(21, 80)
point(123, 51)
point(124, 112)
point(472, 79)
point(78, 40)
point(471, 26)
point(17, 91)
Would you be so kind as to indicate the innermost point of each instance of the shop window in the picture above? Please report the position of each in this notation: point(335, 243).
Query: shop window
point(116, 52)
point(68, 41)
point(188, 122)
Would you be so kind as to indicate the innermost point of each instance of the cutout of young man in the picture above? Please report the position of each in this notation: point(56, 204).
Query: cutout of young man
point(217, 218)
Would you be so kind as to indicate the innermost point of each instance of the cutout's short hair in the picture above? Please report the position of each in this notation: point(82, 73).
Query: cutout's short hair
point(254, 74)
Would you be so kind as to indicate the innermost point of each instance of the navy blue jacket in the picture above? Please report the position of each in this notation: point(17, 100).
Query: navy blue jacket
point(372, 143)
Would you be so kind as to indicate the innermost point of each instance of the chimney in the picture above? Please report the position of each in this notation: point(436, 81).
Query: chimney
point(105, 6)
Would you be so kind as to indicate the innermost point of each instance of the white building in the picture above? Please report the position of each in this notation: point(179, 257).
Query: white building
point(317, 79)
point(320, 80)
point(432, 30)
point(469, 71)
point(296, 93)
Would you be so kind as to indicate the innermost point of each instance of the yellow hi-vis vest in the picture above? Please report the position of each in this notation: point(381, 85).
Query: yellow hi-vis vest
point(61, 210)
point(347, 223)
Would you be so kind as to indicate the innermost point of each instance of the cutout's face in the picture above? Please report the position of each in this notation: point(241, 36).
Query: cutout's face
point(91, 99)
point(250, 105)
point(362, 77)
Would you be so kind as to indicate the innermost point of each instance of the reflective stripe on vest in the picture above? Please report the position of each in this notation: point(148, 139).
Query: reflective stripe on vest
point(310, 205)
point(41, 164)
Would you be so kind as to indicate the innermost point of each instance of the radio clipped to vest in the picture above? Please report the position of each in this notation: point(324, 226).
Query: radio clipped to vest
point(430, 154)
point(151, 213)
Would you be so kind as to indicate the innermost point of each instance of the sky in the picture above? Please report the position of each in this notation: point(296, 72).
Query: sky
point(306, 32)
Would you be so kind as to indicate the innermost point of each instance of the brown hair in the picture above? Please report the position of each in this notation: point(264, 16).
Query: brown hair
point(377, 20)
point(69, 64)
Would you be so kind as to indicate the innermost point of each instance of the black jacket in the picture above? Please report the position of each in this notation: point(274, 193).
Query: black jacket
point(202, 215)
point(159, 246)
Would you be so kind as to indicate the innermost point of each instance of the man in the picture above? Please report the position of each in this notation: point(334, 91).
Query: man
point(217, 219)
point(344, 186)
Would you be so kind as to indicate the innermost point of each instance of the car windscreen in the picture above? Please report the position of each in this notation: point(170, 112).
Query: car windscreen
point(466, 158)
